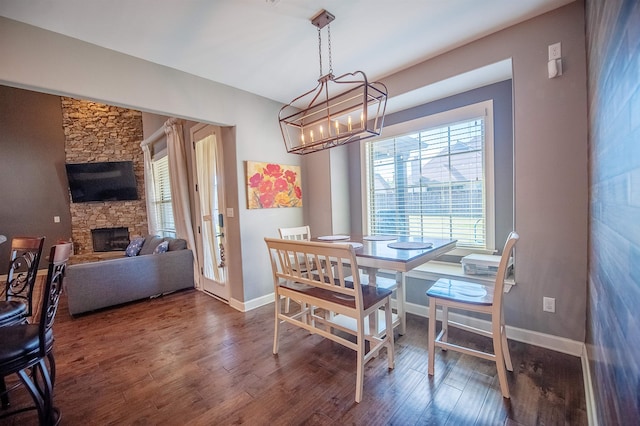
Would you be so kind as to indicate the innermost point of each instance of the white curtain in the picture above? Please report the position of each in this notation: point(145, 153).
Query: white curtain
point(179, 178)
point(206, 156)
point(149, 188)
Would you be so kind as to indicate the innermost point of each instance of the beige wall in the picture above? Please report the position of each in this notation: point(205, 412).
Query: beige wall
point(40, 60)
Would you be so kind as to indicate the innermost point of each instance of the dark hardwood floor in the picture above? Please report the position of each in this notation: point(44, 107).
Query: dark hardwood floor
point(186, 358)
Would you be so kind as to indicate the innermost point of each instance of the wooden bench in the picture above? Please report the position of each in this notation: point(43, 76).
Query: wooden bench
point(326, 289)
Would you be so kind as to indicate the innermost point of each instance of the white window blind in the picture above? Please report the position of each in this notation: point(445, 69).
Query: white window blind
point(162, 203)
point(431, 183)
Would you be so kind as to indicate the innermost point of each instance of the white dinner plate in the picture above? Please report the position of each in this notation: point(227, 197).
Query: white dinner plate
point(379, 238)
point(409, 245)
point(333, 237)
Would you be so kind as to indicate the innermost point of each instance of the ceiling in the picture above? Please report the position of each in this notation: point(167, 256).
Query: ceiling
point(270, 47)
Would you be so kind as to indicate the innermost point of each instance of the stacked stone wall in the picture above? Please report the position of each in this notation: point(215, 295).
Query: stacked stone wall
point(96, 132)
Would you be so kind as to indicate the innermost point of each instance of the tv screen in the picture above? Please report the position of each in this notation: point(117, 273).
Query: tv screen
point(105, 181)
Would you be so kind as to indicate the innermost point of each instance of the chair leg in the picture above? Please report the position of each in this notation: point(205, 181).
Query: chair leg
point(287, 304)
point(505, 349)
point(307, 318)
point(389, 330)
point(500, 360)
point(360, 363)
point(52, 368)
point(276, 331)
point(432, 334)
point(42, 396)
point(445, 325)
point(4, 396)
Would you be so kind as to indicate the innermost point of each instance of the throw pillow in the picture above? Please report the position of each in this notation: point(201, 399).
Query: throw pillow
point(161, 248)
point(150, 244)
point(134, 247)
point(176, 244)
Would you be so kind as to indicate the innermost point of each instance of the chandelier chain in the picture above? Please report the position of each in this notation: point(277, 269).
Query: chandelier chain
point(320, 49)
point(329, 49)
point(329, 42)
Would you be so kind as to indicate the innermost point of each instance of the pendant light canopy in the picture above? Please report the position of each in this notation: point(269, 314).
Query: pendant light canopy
point(337, 111)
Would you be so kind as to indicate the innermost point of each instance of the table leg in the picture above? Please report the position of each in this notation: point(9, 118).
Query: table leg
point(400, 301)
point(374, 317)
point(371, 273)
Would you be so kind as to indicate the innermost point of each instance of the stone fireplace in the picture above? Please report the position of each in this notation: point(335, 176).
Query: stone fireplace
point(110, 239)
point(97, 132)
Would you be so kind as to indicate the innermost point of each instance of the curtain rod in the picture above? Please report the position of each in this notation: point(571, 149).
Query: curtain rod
point(160, 133)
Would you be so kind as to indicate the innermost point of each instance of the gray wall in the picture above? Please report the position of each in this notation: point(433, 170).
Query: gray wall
point(33, 181)
point(613, 329)
point(550, 150)
point(550, 134)
point(550, 162)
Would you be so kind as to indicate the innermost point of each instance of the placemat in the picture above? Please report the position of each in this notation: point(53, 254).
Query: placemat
point(379, 238)
point(409, 245)
point(333, 237)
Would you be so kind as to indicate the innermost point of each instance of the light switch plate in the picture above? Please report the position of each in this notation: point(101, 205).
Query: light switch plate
point(549, 304)
point(555, 51)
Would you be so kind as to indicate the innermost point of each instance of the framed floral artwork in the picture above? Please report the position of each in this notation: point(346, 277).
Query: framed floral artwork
point(272, 185)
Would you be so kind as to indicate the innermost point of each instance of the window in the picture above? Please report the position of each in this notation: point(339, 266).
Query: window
point(162, 206)
point(434, 178)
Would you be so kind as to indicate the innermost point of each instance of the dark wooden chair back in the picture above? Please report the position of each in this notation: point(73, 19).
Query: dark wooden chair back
point(23, 269)
point(58, 258)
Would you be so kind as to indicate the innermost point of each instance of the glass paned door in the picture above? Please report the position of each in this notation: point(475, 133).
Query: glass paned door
point(210, 211)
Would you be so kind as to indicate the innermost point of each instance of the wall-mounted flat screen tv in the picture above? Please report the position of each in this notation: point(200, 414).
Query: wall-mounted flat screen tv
point(103, 181)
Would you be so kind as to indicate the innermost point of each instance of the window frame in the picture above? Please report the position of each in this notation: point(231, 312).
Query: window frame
point(444, 118)
point(162, 229)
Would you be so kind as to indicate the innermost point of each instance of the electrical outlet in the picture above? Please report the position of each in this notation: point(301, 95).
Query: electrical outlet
point(548, 304)
point(555, 51)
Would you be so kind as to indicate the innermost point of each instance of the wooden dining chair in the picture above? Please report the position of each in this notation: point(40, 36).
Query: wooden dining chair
point(299, 233)
point(17, 305)
point(26, 348)
point(448, 293)
point(355, 306)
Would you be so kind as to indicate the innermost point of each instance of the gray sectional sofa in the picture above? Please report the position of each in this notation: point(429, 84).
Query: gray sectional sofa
point(95, 285)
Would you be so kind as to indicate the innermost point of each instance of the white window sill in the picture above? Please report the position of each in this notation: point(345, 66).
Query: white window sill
point(435, 269)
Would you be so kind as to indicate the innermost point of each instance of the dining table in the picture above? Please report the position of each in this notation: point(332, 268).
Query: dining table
point(397, 254)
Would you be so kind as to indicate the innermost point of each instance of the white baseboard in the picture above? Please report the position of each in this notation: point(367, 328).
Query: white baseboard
point(548, 341)
point(251, 304)
point(588, 389)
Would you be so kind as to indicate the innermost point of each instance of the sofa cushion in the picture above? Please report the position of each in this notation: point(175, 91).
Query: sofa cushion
point(176, 243)
point(150, 244)
point(134, 247)
point(163, 247)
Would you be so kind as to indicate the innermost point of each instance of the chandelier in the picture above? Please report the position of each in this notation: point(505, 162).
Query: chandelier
point(337, 111)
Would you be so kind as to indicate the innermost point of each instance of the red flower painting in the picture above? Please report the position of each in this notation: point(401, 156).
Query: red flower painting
point(273, 185)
